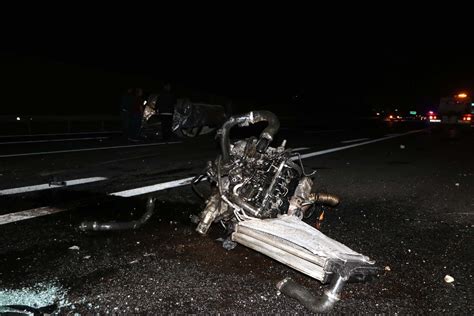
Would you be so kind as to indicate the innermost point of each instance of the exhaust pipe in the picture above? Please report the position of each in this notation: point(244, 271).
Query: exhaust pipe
point(325, 198)
point(315, 304)
point(113, 226)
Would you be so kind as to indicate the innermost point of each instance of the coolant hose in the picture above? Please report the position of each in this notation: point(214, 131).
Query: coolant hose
point(112, 226)
point(269, 132)
point(325, 198)
point(250, 118)
point(315, 304)
point(225, 131)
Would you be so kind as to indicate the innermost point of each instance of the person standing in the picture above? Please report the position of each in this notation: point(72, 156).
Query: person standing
point(165, 105)
point(136, 115)
point(125, 107)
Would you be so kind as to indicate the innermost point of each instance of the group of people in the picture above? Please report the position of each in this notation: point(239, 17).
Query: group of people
point(132, 107)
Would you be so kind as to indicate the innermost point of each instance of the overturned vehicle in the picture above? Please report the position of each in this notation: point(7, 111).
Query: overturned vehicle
point(261, 195)
point(189, 119)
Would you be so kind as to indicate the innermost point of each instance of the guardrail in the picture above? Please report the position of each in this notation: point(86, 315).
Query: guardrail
point(34, 124)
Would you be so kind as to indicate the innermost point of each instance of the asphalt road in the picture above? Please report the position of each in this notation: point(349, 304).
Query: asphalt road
point(407, 202)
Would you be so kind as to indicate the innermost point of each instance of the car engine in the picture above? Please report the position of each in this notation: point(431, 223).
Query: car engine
point(254, 180)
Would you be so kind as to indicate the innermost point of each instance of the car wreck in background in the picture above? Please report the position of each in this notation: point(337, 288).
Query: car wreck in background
point(190, 119)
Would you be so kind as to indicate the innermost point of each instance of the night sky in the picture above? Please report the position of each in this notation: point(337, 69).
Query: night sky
point(270, 67)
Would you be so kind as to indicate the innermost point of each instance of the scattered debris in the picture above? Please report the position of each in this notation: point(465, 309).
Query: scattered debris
point(387, 268)
point(448, 278)
point(456, 184)
point(40, 298)
point(74, 248)
point(134, 261)
point(402, 146)
point(87, 257)
point(180, 248)
point(57, 183)
point(228, 244)
point(194, 218)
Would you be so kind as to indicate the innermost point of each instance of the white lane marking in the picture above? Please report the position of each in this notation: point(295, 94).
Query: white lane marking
point(84, 149)
point(182, 182)
point(353, 140)
point(299, 148)
point(42, 211)
point(51, 140)
point(47, 186)
point(27, 214)
point(63, 134)
point(331, 150)
point(323, 131)
point(176, 183)
point(394, 134)
point(154, 187)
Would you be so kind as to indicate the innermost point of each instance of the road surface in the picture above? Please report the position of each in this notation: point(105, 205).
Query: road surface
point(407, 202)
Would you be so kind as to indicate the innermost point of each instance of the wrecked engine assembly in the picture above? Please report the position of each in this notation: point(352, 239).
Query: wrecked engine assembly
point(260, 194)
point(253, 180)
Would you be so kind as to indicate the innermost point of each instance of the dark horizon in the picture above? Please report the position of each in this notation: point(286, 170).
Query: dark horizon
point(336, 80)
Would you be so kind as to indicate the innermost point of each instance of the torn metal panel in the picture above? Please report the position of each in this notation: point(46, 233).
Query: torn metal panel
point(293, 230)
point(289, 240)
